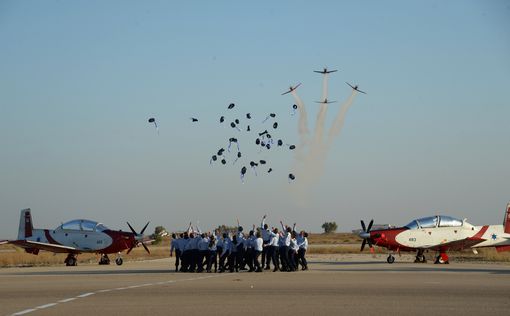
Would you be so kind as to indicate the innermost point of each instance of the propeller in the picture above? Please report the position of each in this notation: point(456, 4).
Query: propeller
point(138, 238)
point(365, 234)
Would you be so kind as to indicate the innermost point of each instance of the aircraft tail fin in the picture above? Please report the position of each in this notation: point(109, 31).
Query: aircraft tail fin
point(506, 222)
point(25, 224)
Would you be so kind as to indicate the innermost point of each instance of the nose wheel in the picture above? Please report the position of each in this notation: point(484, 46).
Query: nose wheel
point(390, 259)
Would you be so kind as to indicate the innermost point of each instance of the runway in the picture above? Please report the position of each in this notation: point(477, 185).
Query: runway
point(331, 287)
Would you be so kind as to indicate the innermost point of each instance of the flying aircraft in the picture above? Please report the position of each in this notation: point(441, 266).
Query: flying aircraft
point(325, 101)
point(325, 71)
point(355, 88)
point(76, 237)
point(291, 88)
point(439, 233)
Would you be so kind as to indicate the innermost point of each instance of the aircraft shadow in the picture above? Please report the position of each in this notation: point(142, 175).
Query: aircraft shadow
point(99, 272)
point(409, 267)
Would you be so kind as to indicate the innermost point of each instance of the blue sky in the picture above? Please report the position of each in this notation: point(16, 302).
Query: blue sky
point(80, 78)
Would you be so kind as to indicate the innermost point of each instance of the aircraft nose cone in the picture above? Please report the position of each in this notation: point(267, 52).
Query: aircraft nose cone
point(364, 235)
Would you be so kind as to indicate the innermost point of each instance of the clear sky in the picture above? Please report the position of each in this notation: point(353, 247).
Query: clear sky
point(78, 80)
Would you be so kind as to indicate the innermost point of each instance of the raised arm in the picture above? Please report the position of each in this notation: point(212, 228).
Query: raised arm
point(263, 222)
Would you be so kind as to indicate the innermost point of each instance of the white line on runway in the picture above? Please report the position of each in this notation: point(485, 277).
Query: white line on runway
point(86, 294)
point(67, 300)
point(46, 305)
point(26, 311)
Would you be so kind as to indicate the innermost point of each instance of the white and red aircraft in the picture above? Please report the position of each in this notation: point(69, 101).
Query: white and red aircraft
point(75, 237)
point(439, 233)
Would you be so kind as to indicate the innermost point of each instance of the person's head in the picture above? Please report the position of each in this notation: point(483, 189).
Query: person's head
point(251, 232)
point(203, 235)
point(186, 236)
point(213, 237)
point(306, 234)
point(234, 239)
point(225, 235)
point(258, 235)
point(181, 235)
point(174, 236)
point(240, 228)
point(302, 233)
point(293, 234)
point(275, 230)
point(265, 226)
point(289, 229)
point(192, 235)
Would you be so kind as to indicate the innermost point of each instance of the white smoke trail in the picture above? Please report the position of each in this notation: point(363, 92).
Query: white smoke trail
point(336, 128)
point(303, 119)
point(324, 87)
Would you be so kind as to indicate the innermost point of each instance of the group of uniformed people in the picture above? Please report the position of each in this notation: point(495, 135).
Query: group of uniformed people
point(196, 251)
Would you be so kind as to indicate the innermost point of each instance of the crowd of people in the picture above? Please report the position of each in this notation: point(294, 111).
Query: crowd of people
point(261, 249)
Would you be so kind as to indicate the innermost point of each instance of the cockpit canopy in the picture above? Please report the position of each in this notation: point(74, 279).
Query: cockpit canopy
point(434, 221)
point(84, 225)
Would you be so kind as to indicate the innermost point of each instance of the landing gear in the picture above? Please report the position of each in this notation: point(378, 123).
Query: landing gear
point(104, 259)
point(420, 257)
point(118, 260)
point(71, 260)
point(390, 259)
point(442, 259)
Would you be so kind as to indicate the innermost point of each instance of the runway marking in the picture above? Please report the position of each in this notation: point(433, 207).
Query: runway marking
point(46, 305)
point(66, 300)
point(85, 295)
point(26, 311)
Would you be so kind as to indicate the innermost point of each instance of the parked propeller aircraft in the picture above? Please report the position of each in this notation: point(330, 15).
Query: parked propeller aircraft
point(439, 233)
point(76, 237)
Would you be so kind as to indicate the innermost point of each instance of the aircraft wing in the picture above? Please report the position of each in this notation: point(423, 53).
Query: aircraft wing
point(459, 244)
point(361, 91)
point(44, 246)
point(287, 92)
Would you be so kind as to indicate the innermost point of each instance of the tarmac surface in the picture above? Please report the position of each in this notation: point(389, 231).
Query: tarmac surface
point(334, 285)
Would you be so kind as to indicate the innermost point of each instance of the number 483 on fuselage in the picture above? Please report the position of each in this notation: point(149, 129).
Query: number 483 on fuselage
point(439, 233)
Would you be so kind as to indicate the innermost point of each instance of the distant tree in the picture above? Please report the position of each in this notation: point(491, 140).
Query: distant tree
point(227, 229)
point(329, 227)
point(159, 232)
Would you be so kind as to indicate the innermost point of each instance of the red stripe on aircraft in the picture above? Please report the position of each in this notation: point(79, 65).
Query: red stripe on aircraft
point(28, 224)
point(480, 233)
point(50, 239)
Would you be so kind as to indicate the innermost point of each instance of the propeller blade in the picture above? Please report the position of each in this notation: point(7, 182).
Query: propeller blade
point(363, 245)
point(141, 233)
point(129, 250)
point(131, 227)
point(370, 244)
point(370, 225)
point(146, 249)
point(363, 226)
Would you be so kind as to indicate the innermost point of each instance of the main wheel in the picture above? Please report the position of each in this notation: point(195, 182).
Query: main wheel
point(390, 259)
point(71, 262)
point(119, 261)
